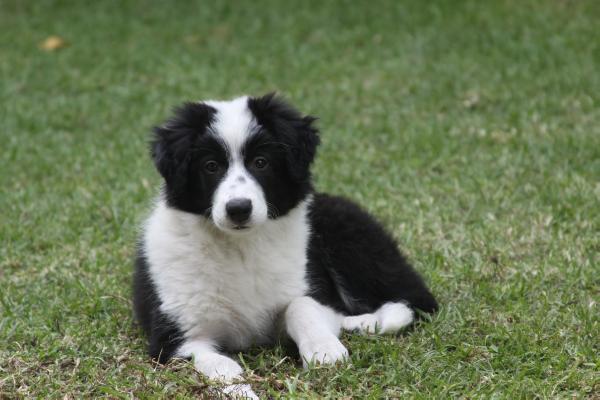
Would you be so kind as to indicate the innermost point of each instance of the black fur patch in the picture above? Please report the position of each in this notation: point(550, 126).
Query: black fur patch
point(180, 148)
point(164, 335)
point(288, 140)
point(355, 265)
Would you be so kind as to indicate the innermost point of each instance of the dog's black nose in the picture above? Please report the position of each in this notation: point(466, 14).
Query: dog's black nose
point(238, 210)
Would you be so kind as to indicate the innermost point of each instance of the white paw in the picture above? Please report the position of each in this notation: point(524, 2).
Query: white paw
point(218, 367)
point(241, 391)
point(324, 350)
point(394, 316)
point(365, 323)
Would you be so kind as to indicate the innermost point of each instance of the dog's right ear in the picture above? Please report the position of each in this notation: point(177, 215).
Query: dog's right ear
point(163, 161)
point(173, 142)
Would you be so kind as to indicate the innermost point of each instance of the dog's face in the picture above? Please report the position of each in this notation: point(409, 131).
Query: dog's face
point(238, 163)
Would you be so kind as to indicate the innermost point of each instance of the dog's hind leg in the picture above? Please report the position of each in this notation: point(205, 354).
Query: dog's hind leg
point(315, 329)
point(389, 318)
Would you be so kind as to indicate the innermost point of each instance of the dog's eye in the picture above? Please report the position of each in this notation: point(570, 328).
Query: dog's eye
point(260, 163)
point(211, 166)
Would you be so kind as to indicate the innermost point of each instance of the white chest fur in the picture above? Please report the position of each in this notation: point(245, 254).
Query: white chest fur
point(231, 289)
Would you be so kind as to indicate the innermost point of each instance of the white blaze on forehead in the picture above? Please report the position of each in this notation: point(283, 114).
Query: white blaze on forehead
point(234, 123)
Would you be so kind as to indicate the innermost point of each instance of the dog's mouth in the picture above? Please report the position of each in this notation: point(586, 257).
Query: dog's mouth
point(233, 227)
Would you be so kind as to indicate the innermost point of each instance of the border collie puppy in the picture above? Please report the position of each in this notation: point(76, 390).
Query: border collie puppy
point(239, 248)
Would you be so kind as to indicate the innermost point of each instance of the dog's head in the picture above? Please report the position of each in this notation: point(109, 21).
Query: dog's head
point(238, 163)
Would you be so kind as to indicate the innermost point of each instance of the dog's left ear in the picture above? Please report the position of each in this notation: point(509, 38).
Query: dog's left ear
point(298, 131)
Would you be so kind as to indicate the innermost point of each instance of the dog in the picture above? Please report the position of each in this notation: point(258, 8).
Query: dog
point(240, 250)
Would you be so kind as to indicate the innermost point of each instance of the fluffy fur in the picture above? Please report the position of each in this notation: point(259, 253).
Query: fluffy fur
point(239, 250)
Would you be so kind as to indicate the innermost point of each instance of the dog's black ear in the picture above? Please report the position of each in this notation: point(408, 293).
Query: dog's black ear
point(297, 131)
point(159, 151)
point(172, 142)
point(302, 156)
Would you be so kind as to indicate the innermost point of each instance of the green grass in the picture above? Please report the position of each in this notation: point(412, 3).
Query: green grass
point(471, 128)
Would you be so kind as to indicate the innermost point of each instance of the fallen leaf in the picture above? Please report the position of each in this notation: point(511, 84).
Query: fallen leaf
point(471, 100)
point(53, 43)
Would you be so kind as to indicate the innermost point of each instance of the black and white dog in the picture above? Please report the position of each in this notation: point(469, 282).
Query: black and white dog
point(239, 248)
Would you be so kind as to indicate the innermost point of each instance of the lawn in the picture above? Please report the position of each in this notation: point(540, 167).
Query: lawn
point(471, 128)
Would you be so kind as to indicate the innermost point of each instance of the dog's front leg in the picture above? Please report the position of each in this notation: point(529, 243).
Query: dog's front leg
point(208, 361)
point(315, 329)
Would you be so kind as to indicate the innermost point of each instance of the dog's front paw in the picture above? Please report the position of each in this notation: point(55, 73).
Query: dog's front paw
point(323, 350)
point(218, 367)
point(241, 391)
